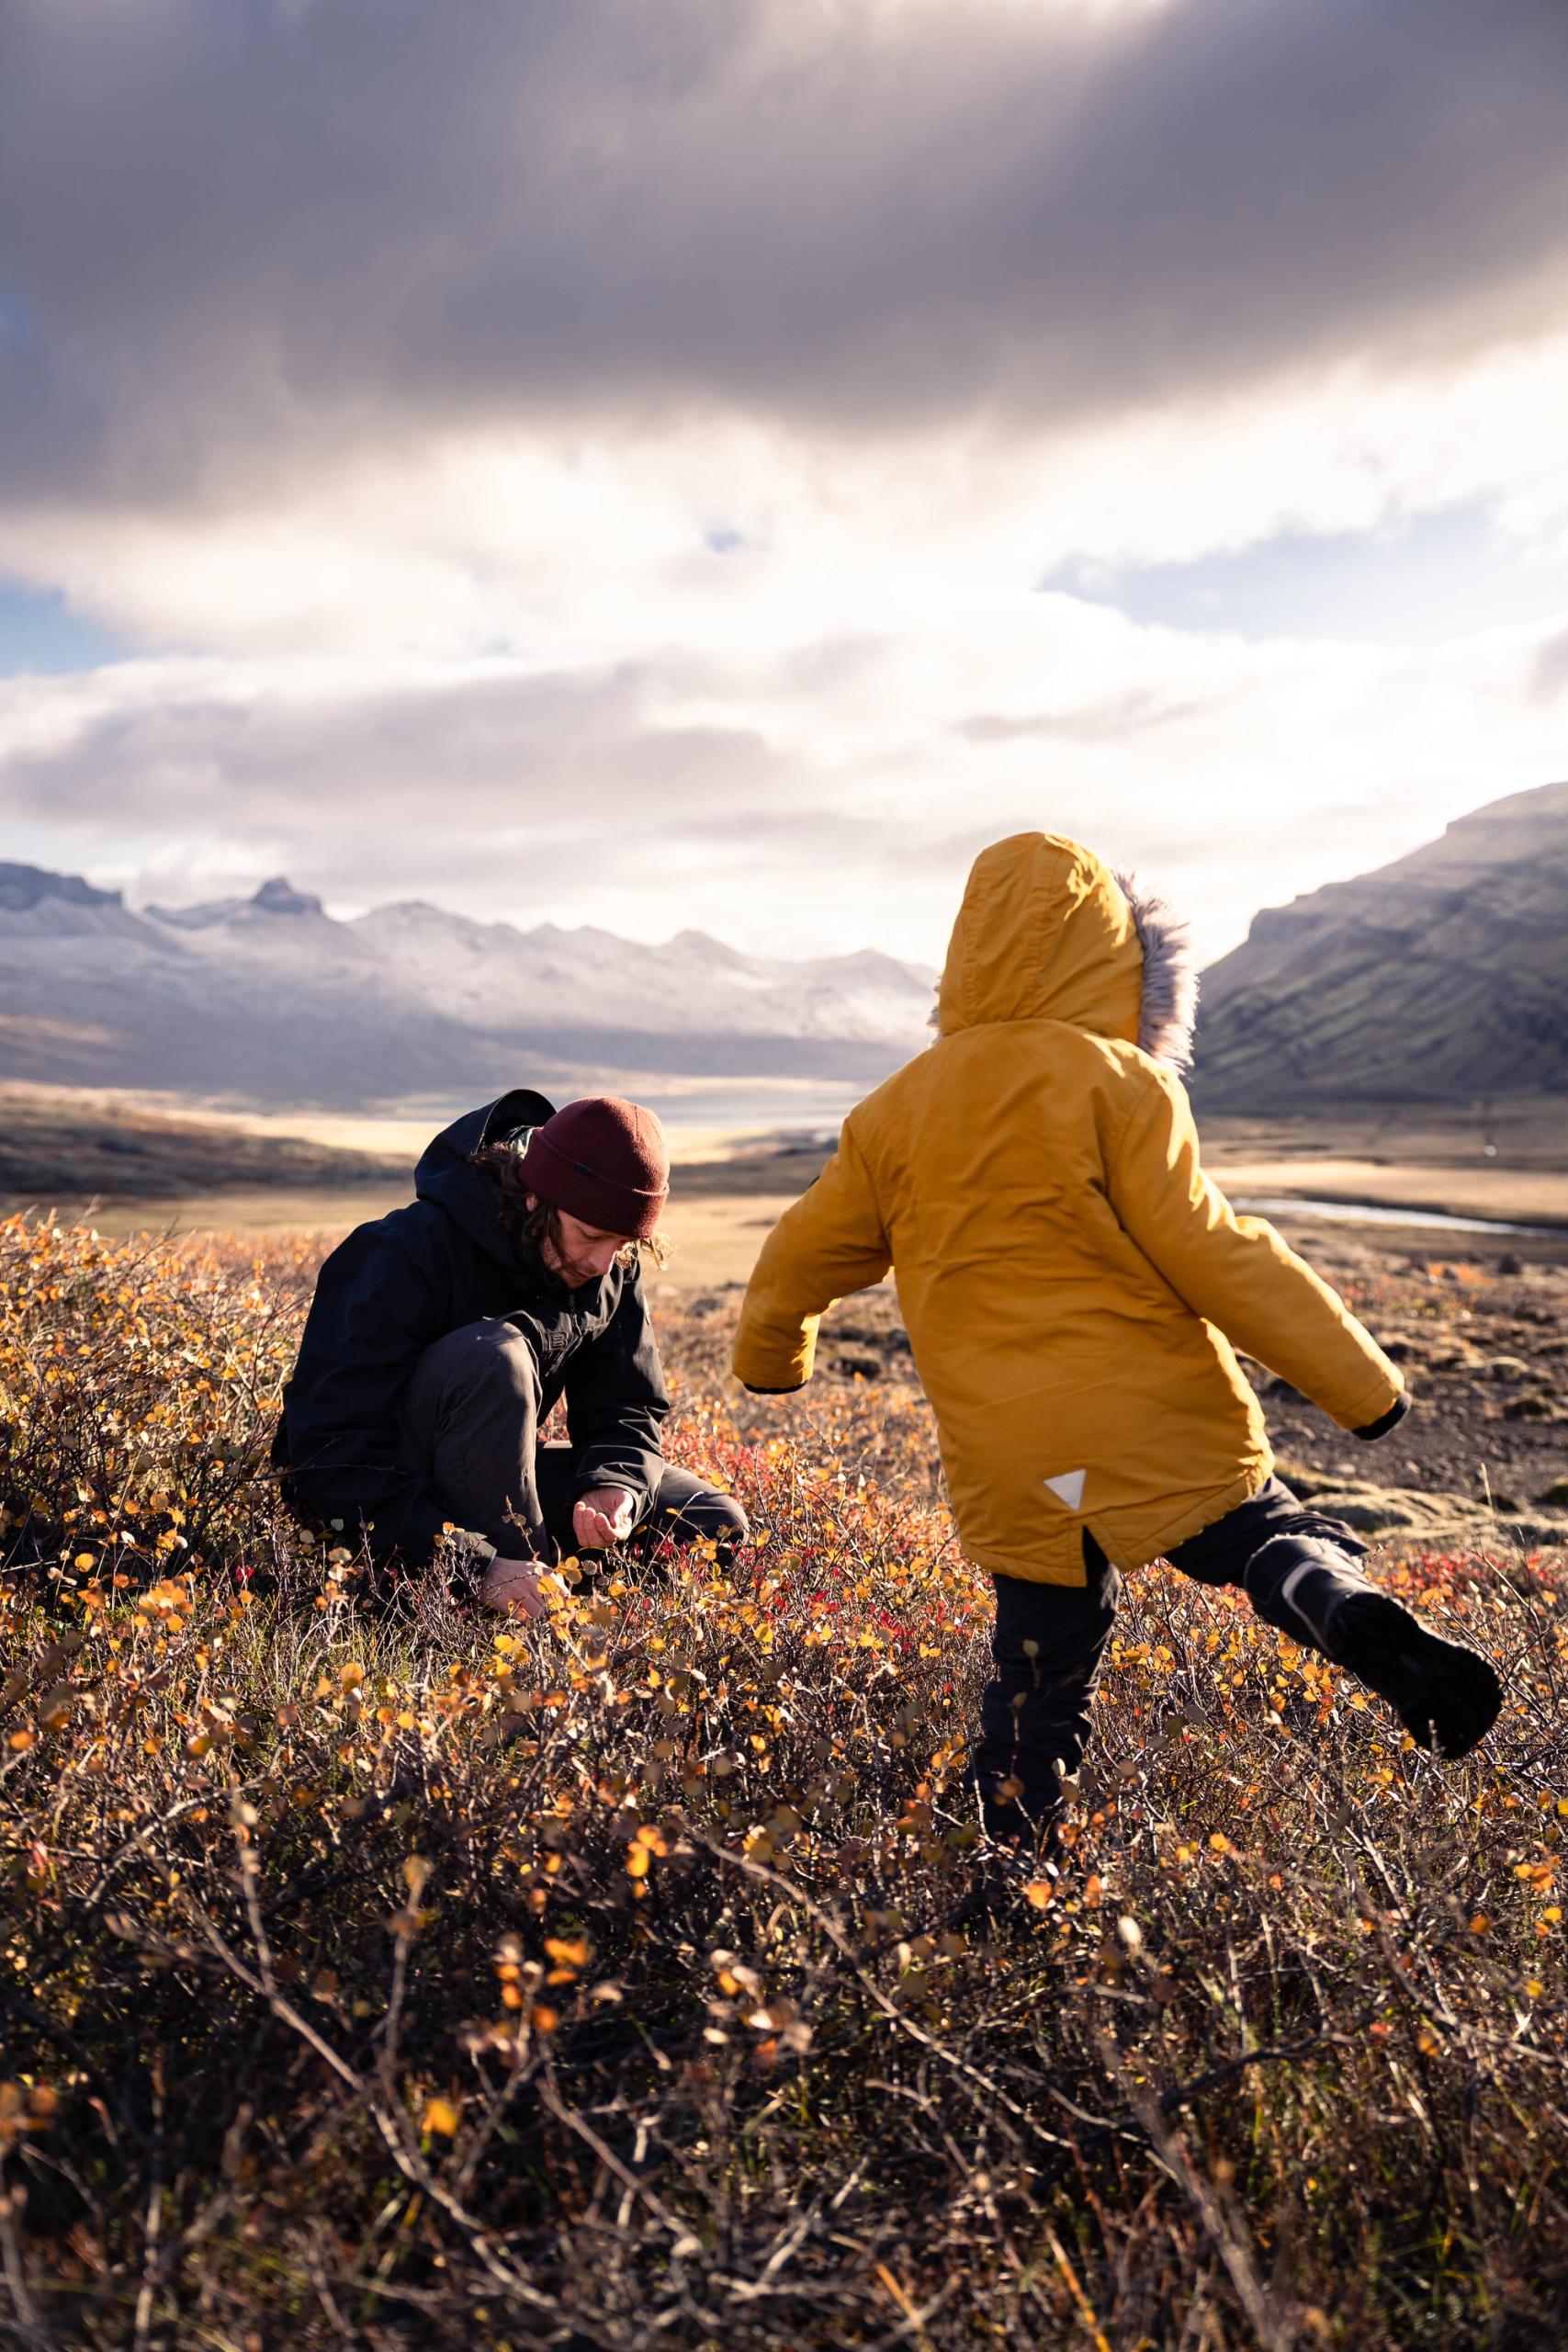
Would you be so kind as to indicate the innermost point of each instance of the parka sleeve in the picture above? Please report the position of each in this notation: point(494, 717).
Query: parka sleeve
point(831, 1240)
point(373, 1314)
point(1236, 1271)
point(615, 1403)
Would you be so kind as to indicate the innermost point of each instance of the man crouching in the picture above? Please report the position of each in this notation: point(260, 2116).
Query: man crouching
point(441, 1338)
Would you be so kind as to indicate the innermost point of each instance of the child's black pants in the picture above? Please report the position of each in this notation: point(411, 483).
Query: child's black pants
point(1050, 1639)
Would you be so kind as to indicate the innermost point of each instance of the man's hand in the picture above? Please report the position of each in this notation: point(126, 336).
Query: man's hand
point(513, 1586)
point(604, 1515)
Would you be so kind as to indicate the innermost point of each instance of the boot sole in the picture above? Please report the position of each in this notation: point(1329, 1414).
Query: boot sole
point(1444, 1694)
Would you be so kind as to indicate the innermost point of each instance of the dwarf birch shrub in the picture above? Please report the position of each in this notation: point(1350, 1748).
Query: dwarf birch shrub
point(373, 1973)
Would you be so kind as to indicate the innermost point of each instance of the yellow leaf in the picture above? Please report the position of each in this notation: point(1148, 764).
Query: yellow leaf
point(440, 2114)
point(1038, 1891)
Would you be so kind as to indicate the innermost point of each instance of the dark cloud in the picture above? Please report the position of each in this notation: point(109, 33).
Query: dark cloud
point(244, 237)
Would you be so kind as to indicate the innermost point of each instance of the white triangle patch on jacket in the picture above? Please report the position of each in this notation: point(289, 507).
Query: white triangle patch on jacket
point(1068, 1487)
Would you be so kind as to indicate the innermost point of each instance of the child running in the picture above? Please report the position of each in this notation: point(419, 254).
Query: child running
point(1075, 1287)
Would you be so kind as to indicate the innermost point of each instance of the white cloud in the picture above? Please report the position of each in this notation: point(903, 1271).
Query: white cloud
point(722, 796)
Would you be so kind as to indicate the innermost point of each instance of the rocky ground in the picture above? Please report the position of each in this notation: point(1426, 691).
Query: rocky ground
point(1483, 1456)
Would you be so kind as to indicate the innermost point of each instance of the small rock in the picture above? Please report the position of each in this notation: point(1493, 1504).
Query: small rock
point(1531, 1531)
point(862, 1367)
point(1530, 1409)
point(1555, 1497)
point(1510, 1263)
point(1370, 1514)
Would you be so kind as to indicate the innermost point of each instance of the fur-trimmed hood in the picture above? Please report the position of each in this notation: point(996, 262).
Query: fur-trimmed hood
point(1047, 931)
point(1167, 1015)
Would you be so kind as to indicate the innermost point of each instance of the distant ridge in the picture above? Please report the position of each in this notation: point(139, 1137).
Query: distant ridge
point(1441, 978)
point(270, 1000)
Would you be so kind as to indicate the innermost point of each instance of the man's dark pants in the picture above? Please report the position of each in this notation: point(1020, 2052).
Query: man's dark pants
point(1049, 1639)
point(469, 1419)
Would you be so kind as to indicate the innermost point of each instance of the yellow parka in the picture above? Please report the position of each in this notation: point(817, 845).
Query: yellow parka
point(1072, 1282)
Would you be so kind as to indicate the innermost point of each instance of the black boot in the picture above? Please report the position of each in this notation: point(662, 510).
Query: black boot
point(1018, 1845)
point(1015, 1817)
point(1446, 1695)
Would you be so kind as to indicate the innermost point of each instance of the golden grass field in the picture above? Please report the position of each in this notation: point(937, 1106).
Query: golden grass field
point(381, 1975)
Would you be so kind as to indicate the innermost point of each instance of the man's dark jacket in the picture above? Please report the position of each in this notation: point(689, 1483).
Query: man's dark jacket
point(395, 1288)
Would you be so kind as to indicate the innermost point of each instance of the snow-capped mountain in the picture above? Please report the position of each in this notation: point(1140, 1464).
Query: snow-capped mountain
point(270, 999)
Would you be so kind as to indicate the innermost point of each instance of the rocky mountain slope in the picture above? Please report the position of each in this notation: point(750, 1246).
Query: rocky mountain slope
point(270, 999)
point(1443, 976)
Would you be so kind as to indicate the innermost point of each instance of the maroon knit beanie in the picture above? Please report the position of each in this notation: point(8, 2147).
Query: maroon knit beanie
point(603, 1160)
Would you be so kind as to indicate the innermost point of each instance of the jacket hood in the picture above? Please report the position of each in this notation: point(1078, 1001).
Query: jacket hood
point(466, 1193)
point(1048, 932)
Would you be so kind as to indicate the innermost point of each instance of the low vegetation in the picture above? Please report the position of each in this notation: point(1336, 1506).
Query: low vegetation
point(375, 1975)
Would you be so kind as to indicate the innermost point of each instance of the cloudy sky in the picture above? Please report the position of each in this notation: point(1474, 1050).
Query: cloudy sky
point(719, 462)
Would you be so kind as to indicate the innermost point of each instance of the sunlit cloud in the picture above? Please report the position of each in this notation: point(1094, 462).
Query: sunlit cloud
point(675, 466)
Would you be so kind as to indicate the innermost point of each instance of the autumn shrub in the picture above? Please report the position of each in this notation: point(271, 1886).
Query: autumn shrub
point(376, 1974)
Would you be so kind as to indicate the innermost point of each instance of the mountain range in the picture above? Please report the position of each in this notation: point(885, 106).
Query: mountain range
point(270, 1000)
point(1441, 978)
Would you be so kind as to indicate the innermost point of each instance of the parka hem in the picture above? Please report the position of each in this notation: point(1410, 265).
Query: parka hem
point(1193, 1522)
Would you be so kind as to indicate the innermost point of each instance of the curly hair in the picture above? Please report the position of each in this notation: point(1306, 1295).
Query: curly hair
point(533, 1227)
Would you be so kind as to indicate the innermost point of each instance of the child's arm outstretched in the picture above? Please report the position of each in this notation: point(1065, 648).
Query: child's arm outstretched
point(1236, 1271)
point(828, 1242)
